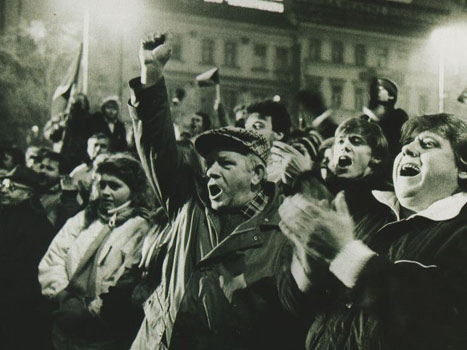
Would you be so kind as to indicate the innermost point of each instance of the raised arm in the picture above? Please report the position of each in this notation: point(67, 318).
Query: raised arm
point(153, 126)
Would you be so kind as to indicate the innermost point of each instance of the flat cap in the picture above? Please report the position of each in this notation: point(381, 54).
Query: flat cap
point(237, 139)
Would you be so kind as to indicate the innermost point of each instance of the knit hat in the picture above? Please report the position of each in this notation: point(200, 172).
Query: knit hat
point(236, 138)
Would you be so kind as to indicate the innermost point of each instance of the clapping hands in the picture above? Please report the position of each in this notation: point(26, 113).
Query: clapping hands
point(317, 230)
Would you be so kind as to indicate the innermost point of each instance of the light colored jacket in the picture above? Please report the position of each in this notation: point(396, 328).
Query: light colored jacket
point(121, 251)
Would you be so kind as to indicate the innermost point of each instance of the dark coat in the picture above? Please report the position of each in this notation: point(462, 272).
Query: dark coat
point(391, 124)
point(215, 293)
point(24, 237)
point(410, 296)
point(75, 138)
point(117, 137)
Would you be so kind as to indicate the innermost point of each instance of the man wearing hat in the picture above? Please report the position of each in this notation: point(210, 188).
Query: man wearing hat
point(24, 238)
point(381, 110)
point(224, 282)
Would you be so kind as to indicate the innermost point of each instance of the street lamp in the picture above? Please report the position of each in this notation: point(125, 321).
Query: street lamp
point(449, 42)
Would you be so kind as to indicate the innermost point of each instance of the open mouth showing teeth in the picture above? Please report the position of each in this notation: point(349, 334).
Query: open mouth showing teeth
point(344, 161)
point(409, 170)
point(214, 190)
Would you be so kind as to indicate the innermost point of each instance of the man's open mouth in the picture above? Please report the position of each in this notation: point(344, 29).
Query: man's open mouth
point(214, 190)
point(409, 170)
point(344, 161)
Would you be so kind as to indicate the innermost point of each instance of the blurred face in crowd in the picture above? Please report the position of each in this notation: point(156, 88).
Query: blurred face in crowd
point(49, 172)
point(231, 179)
point(80, 101)
point(112, 192)
point(351, 156)
point(111, 111)
point(6, 161)
point(425, 171)
point(13, 193)
point(263, 126)
point(97, 146)
point(196, 124)
point(32, 157)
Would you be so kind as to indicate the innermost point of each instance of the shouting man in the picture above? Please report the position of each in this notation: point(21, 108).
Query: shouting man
point(222, 284)
point(396, 279)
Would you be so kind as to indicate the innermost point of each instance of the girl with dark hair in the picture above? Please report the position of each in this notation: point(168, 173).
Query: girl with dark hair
point(92, 252)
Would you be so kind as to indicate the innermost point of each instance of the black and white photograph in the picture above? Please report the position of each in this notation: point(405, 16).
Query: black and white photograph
point(233, 174)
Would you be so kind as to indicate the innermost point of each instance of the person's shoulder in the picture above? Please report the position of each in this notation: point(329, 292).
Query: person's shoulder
point(79, 170)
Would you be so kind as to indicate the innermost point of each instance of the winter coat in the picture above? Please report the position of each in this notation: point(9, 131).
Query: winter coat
point(213, 294)
point(119, 253)
point(25, 234)
point(411, 295)
point(117, 136)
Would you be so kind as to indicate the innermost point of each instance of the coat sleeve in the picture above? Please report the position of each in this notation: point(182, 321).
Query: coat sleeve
point(156, 145)
point(422, 304)
point(53, 276)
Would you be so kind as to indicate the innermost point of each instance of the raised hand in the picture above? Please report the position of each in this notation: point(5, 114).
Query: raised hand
point(316, 229)
point(154, 53)
point(293, 161)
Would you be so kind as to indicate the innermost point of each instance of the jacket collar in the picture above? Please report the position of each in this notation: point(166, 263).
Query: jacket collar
point(250, 233)
point(441, 210)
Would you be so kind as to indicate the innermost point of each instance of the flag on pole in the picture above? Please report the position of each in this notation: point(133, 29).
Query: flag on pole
point(72, 83)
point(463, 96)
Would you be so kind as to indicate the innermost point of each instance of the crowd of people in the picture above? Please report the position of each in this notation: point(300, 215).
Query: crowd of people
point(248, 236)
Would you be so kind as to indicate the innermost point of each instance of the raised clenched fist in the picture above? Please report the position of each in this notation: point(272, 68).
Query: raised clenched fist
point(154, 53)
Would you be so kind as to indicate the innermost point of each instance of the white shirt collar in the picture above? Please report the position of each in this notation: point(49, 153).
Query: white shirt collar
point(370, 114)
point(441, 210)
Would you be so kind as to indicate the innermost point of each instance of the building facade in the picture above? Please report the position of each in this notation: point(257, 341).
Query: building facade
point(334, 46)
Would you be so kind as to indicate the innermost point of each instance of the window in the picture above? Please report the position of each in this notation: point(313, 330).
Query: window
point(314, 52)
point(207, 51)
point(313, 82)
point(360, 55)
point(337, 52)
point(176, 47)
point(230, 54)
point(336, 95)
point(382, 57)
point(282, 58)
point(359, 98)
point(259, 56)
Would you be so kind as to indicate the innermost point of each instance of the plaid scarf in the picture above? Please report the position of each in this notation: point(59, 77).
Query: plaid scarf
point(255, 206)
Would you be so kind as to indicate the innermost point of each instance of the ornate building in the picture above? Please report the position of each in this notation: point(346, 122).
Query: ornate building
point(334, 46)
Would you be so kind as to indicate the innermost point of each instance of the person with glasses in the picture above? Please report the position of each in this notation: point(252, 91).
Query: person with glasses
point(24, 237)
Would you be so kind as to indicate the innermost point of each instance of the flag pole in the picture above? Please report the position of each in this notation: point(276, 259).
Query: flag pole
point(85, 49)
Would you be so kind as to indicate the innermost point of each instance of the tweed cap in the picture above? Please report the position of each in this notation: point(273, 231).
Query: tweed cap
point(235, 138)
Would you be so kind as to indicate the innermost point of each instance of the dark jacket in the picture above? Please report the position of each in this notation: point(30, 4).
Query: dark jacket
point(75, 138)
point(24, 237)
point(214, 294)
point(410, 296)
point(391, 123)
point(117, 136)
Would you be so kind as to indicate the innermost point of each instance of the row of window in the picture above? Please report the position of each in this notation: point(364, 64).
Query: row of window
point(337, 92)
point(231, 54)
point(282, 54)
point(315, 53)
